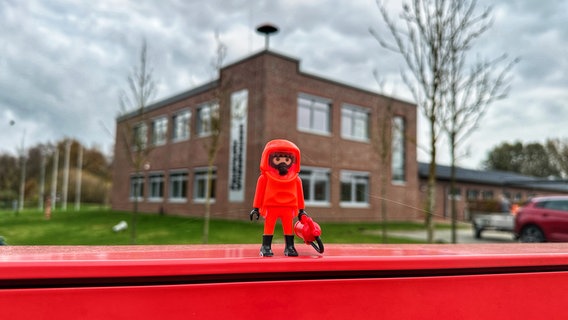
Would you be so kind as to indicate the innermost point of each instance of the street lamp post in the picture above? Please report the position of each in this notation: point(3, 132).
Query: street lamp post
point(66, 175)
point(22, 173)
point(78, 181)
point(41, 194)
point(23, 160)
point(54, 178)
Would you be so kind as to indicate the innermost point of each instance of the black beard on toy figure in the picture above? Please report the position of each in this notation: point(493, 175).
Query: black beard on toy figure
point(282, 169)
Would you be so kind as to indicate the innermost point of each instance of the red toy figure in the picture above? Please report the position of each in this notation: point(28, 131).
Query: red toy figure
point(279, 193)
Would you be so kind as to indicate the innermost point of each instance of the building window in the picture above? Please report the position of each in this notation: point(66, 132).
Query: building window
point(156, 181)
point(487, 195)
point(181, 125)
point(139, 136)
point(137, 187)
point(207, 119)
point(178, 186)
point(314, 114)
point(354, 188)
point(472, 194)
point(315, 182)
point(200, 185)
point(159, 131)
point(398, 161)
point(354, 123)
point(456, 194)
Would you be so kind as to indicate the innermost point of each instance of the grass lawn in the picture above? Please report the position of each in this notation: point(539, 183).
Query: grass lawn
point(94, 227)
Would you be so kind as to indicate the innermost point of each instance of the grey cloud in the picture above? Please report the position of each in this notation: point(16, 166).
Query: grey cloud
point(65, 61)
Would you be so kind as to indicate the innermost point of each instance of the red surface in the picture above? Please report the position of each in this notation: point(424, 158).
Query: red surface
point(496, 281)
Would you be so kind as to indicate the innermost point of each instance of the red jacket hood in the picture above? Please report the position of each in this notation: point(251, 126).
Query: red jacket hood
point(280, 145)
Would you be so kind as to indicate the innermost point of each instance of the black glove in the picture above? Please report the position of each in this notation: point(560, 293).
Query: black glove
point(301, 213)
point(253, 213)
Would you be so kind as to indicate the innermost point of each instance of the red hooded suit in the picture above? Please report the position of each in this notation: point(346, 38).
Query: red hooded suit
point(279, 196)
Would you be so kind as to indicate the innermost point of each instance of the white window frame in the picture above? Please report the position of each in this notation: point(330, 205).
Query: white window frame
point(200, 182)
point(205, 114)
point(354, 178)
point(456, 193)
point(136, 187)
point(156, 183)
point(310, 177)
point(179, 178)
point(181, 126)
point(159, 131)
point(398, 150)
point(314, 105)
point(487, 195)
point(139, 136)
point(472, 194)
point(354, 123)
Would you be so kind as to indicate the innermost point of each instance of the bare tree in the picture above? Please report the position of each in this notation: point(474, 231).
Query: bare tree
point(470, 88)
point(142, 88)
point(382, 141)
point(422, 42)
point(453, 95)
point(215, 124)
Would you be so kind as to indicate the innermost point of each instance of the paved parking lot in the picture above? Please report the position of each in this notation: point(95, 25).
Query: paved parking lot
point(465, 235)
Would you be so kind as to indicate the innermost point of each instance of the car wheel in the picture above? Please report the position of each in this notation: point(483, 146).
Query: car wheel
point(532, 234)
point(477, 232)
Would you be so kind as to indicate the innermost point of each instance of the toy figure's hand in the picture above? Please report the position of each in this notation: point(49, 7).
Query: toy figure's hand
point(301, 213)
point(253, 213)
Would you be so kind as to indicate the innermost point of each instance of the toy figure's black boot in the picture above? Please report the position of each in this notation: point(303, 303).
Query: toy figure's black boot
point(265, 250)
point(290, 251)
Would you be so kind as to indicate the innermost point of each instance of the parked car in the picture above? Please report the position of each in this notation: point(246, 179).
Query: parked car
point(543, 219)
point(498, 221)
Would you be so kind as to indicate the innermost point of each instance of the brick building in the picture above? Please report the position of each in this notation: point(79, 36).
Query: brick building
point(477, 190)
point(341, 131)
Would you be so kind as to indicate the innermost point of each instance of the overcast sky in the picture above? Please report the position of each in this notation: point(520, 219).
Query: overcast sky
point(63, 63)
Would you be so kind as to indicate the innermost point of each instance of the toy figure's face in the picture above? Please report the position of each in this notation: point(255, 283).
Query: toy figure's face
point(281, 161)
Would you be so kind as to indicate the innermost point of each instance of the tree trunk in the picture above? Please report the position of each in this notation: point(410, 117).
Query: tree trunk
point(431, 201)
point(453, 188)
point(207, 217)
point(134, 221)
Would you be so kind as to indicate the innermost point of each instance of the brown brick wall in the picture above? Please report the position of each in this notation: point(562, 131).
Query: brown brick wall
point(273, 83)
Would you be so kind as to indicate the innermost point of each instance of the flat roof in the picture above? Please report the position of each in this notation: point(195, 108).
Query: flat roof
point(493, 177)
